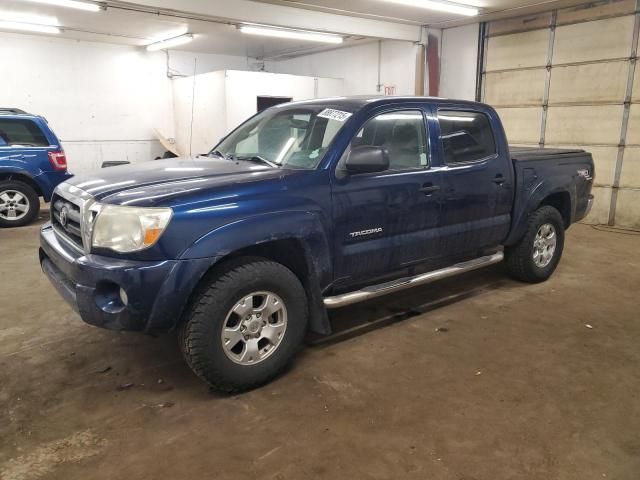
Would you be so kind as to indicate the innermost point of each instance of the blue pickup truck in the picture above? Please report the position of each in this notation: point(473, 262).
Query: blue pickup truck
point(306, 206)
point(32, 164)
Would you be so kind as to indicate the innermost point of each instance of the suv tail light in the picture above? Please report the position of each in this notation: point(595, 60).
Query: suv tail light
point(58, 160)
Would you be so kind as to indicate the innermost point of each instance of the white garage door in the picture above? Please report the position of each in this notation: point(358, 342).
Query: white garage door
point(568, 78)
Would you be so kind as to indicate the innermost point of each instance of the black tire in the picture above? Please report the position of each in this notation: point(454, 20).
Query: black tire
point(519, 257)
point(200, 332)
point(31, 197)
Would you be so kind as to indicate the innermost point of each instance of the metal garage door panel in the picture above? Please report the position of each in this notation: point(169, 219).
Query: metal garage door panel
point(589, 83)
point(633, 130)
point(630, 175)
point(522, 125)
point(635, 96)
point(515, 88)
point(628, 208)
point(528, 49)
point(604, 159)
point(587, 12)
point(584, 125)
point(601, 203)
point(598, 40)
point(520, 24)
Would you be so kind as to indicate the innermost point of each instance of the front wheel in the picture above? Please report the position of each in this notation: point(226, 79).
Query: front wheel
point(19, 204)
point(535, 257)
point(245, 326)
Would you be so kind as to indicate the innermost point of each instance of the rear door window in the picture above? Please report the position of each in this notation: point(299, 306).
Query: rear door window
point(465, 136)
point(21, 132)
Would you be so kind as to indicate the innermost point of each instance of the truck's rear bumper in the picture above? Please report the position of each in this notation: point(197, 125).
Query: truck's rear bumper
point(120, 294)
point(589, 205)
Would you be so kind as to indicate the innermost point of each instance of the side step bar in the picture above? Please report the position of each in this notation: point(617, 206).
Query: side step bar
point(408, 282)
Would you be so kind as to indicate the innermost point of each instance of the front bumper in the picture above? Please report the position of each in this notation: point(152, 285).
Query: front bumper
point(156, 291)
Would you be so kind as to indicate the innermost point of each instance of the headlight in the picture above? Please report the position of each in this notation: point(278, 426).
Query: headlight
point(128, 229)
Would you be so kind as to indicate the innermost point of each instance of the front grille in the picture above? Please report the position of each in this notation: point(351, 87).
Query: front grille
point(66, 218)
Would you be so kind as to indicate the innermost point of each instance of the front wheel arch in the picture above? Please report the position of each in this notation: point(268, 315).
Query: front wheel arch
point(201, 334)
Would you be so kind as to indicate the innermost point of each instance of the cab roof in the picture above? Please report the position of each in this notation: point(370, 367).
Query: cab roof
point(357, 102)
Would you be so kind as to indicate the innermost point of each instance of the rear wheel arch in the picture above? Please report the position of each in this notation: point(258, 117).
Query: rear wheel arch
point(519, 257)
point(19, 203)
point(561, 201)
point(21, 177)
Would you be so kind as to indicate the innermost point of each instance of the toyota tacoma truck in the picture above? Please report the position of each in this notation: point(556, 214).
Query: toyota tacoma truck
point(305, 207)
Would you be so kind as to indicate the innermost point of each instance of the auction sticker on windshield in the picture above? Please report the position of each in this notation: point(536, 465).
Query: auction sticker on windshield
point(332, 114)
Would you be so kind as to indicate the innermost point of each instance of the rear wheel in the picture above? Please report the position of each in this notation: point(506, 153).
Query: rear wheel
point(245, 326)
point(19, 204)
point(536, 256)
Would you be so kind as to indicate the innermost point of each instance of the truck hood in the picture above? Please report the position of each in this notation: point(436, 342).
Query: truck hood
point(151, 182)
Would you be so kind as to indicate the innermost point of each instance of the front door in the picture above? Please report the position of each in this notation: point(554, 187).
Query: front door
point(386, 221)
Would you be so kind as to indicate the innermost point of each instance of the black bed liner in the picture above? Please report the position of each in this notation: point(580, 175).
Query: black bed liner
point(535, 153)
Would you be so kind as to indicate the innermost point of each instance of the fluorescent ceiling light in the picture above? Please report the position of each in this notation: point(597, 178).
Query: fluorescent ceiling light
point(439, 6)
point(28, 23)
point(171, 42)
point(28, 27)
point(169, 34)
point(89, 7)
point(294, 34)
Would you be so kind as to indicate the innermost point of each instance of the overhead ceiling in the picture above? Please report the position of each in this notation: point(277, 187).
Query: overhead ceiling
point(139, 24)
point(136, 28)
point(385, 10)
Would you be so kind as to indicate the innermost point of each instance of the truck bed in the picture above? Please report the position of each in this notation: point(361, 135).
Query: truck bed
point(539, 171)
point(535, 153)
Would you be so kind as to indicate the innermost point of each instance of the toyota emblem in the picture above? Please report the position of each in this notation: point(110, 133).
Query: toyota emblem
point(63, 216)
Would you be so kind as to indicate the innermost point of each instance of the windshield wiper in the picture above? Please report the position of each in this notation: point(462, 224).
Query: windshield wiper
point(258, 158)
point(218, 153)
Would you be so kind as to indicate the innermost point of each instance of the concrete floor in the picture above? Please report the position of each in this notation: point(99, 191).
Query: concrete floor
point(513, 386)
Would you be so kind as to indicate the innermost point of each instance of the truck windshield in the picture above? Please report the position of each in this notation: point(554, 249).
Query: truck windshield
point(297, 137)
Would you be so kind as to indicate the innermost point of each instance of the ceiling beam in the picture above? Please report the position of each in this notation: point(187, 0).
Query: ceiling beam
point(238, 11)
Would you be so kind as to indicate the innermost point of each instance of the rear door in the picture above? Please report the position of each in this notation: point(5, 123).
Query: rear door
point(477, 182)
point(386, 221)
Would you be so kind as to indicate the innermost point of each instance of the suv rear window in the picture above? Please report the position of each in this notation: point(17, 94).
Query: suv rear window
point(18, 131)
point(465, 136)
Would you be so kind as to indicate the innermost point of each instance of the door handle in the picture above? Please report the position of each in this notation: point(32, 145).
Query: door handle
point(499, 179)
point(428, 189)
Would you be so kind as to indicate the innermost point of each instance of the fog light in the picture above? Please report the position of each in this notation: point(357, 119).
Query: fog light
point(123, 297)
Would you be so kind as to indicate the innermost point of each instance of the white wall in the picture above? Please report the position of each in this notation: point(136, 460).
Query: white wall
point(209, 105)
point(102, 100)
point(458, 62)
point(358, 66)
point(189, 63)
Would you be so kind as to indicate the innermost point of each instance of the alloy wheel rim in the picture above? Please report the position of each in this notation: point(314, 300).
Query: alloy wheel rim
point(544, 245)
point(14, 205)
point(254, 328)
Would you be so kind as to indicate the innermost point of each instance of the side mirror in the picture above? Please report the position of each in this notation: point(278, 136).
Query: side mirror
point(367, 159)
point(3, 142)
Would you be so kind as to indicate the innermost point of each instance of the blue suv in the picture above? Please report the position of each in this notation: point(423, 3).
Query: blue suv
point(32, 164)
